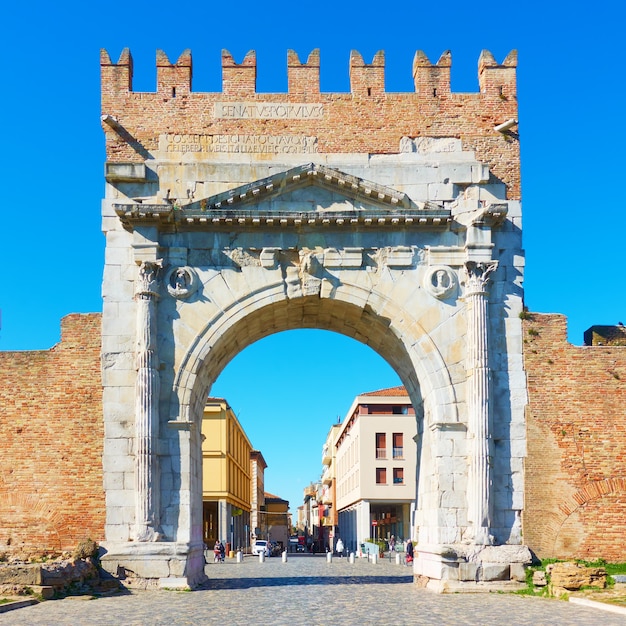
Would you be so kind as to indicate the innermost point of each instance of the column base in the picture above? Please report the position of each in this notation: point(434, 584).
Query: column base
point(471, 568)
point(153, 565)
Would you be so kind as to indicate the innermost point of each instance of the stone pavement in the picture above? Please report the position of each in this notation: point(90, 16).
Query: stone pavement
point(308, 590)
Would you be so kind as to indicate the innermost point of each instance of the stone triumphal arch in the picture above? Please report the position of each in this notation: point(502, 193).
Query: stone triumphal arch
point(393, 218)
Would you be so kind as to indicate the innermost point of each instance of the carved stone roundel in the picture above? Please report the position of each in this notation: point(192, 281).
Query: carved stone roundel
point(181, 282)
point(440, 281)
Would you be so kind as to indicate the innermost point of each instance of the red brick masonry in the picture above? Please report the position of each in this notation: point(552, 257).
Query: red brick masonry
point(51, 429)
point(367, 120)
point(576, 426)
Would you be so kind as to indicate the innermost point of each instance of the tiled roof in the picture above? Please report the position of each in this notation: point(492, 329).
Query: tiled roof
point(271, 496)
point(390, 391)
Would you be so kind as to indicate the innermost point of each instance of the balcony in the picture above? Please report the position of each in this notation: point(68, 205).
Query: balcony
point(398, 453)
point(327, 477)
point(381, 453)
point(326, 455)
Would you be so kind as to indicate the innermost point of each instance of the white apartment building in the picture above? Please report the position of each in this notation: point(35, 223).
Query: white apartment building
point(376, 458)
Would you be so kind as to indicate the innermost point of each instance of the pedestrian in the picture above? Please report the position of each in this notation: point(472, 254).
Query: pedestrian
point(217, 551)
point(409, 552)
point(392, 543)
point(339, 547)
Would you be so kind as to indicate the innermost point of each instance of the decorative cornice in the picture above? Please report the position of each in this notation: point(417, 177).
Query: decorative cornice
point(234, 207)
point(492, 215)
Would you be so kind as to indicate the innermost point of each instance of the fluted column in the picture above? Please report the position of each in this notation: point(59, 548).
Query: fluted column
point(147, 404)
point(479, 480)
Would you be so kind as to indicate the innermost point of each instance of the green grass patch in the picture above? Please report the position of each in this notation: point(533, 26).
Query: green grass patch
point(530, 589)
point(611, 568)
point(615, 568)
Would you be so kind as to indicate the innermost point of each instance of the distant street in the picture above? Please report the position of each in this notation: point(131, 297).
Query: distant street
point(308, 590)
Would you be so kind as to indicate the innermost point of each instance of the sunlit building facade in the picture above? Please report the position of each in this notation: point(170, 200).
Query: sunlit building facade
point(257, 491)
point(376, 458)
point(226, 476)
point(275, 520)
point(328, 487)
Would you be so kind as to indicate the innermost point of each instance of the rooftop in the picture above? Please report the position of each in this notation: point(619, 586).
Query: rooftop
point(389, 392)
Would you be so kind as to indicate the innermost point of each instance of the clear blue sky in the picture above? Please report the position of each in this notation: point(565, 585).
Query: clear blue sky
point(571, 90)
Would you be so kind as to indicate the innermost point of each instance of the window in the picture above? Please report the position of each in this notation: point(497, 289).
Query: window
point(398, 447)
point(398, 476)
point(381, 446)
point(381, 476)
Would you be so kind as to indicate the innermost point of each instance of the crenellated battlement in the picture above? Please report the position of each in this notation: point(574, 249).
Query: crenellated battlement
point(431, 80)
point(366, 120)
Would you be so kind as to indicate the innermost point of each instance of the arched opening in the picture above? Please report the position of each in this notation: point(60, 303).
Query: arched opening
point(222, 338)
point(288, 392)
point(288, 421)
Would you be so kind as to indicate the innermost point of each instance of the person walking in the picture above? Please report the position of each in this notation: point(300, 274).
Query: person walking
point(339, 547)
point(218, 550)
point(409, 552)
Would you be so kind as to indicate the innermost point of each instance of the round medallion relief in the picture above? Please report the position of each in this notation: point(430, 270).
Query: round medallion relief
point(181, 282)
point(440, 281)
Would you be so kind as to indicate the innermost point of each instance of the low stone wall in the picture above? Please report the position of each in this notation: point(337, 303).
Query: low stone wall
point(55, 579)
point(567, 577)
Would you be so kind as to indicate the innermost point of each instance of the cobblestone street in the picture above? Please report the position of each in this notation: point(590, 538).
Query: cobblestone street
point(307, 590)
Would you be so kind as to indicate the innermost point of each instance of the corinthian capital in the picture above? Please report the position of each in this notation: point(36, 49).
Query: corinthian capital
point(478, 274)
point(148, 279)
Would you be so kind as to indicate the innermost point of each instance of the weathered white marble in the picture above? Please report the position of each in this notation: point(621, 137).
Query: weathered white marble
point(368, 257)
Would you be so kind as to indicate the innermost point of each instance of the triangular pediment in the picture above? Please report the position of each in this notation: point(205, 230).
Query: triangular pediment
point(309, 192)
point(287, 185)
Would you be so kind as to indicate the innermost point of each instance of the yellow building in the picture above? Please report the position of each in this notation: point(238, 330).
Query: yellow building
point(226, 479)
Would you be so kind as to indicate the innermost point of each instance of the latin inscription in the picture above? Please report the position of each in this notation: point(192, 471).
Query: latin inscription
point(269, 110)
point(259, 144)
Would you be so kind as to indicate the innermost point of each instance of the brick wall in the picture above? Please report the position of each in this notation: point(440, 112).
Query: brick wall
point(575, 470)
point(366, 120)
point(51, 430)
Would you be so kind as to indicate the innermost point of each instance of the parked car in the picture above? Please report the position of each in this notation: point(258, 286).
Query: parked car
point(260, 546)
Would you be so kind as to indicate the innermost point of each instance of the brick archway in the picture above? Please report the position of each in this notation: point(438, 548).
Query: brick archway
point(570, 539)
point(34, 523)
